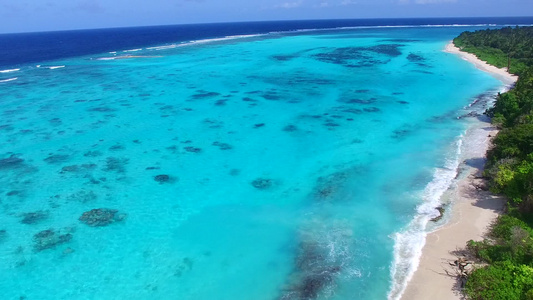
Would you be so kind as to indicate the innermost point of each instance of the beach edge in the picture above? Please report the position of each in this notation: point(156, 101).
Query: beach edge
point(472, 212)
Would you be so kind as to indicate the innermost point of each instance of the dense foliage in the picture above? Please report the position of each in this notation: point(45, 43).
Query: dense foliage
point(509, 168)
point(497, 47)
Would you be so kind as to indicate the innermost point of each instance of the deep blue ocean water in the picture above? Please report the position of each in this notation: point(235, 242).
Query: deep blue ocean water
point(21, 48)
point(232, 161)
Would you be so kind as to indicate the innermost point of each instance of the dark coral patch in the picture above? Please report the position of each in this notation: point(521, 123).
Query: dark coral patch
point(222, 146)
point(262, 183)
point(290, 128)
point(359, 56)
point(213, 123)
point(13, 193)
point(400, 133)
point(414, 57)
point(101, 217)
point(328, 187)
point(283, 57)
point(83, 196)
point(360, 101)
point(11, 162)
point(55, 122)
point(116, 147)
point(48, 239)
point(273, 96)
point(101, 109)
point(353, 111)
point(116, 164)
point(314, 272)
point(392, 50)
point(371, 109)
point(205, 95)
point(220, 102)
point(235, 172)
point(57, 158)
point(92, 154)
point(34, 217)
point(77, 168)
point(163, 178)
point(193, 149)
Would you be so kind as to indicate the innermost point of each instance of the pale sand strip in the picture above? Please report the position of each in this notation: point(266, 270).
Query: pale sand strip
point(473, 210)
point(500, 74)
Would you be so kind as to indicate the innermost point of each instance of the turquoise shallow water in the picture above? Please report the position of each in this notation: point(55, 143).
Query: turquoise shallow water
point(294, 163)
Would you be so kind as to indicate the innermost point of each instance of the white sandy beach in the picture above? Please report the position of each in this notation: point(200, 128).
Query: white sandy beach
point(473, 210)
point(500, 74)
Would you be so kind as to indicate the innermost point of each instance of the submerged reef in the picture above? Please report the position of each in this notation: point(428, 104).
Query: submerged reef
point(116, 164)
point(92, 154)
point(222, 146)
point(262, 183)
point(82, 196)
point(204, 95)
point(34, 217)
point(57, 158)
point(360, 56)
point(77, 168)
point(101, 217)
point(314, 272)
point(11, 162)
point(49, 238)
point(327, 187)
point(290, 128)
point(3, 235)
point(163, 178)
point(414, 57)
point(193, 149)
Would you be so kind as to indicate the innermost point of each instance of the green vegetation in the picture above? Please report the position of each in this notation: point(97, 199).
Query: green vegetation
point(509, 169)
point(506, 47)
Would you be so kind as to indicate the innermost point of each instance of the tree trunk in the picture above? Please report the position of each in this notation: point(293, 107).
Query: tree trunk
point(509, 63)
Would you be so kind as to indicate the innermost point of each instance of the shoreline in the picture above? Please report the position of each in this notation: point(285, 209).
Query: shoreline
point(472, 209)
point(500, 74)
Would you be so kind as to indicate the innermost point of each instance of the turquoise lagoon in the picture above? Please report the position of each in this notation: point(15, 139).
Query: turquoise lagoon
point(299, 165)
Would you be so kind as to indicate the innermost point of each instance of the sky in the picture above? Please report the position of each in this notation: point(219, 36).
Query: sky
point(49, 15)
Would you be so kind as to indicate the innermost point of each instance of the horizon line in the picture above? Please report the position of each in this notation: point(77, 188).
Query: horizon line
point(263, 21)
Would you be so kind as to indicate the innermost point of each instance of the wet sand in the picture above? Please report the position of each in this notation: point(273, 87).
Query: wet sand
point(473, 210)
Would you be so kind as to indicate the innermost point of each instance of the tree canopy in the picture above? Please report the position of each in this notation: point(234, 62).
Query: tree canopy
point(509, 168)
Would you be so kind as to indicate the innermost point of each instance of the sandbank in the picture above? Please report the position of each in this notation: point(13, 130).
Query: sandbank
point(472, 210)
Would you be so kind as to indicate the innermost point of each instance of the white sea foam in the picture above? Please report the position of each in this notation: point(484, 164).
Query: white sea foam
point(162, 47)
point(204, 41)
point(9, 71)
point(393, 26)
point(10, 79)
point(408, 243)
point(226, 38)
point(133, 50)
point(107, 58)
point(55, 67)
